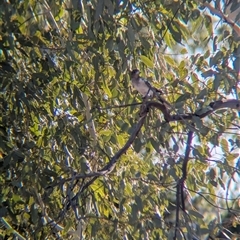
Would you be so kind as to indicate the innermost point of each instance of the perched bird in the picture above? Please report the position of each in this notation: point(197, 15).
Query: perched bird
point(145, 88)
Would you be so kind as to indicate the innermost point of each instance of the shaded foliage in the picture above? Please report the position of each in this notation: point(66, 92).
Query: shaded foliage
point(67, 108)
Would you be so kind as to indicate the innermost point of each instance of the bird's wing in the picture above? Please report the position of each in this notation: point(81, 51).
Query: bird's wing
point(151, 87)
point(147, 83)
point(162, 100)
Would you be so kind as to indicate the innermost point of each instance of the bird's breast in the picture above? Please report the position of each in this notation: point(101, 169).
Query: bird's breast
point(142, 88)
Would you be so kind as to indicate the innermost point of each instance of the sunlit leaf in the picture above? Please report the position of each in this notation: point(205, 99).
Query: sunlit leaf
point(146, 61)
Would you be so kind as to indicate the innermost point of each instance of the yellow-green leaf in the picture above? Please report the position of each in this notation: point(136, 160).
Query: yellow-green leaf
point(146, 61)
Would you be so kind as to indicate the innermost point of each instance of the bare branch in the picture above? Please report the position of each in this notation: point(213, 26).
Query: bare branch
point(213, 106)
point(180, 184)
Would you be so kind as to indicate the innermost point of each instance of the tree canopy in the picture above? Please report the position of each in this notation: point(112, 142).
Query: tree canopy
point(83, 156)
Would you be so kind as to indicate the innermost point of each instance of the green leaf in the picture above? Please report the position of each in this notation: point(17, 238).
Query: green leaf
point(152, 177)
point(3, 212)
point(208, 73)
point(131, 36)
point(208, 24)
point(155, 144)
point(184, 97)
point(109, 6)
point(169, 40)
point(146, 61)
point(217, 81)
point(202, 94)
point(216, 59)
point(139, 203)
point(232, 157)
point(107, 90)
point(170, 61)
point(195, 14)
point(99, 10)
point(137, 145)
point(224, 145)
point(34, 214)
point(177, 36)
point(195, 214)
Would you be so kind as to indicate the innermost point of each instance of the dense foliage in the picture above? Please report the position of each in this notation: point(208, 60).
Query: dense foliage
point(67, 108)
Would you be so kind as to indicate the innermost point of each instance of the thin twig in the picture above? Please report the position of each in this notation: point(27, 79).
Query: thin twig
point(9, 227)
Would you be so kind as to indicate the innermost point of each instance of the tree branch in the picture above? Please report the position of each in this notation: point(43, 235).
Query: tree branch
point(180, 184)
point(112, 163)
point(108, 168)
point(212, 107)
point(221, 15)
point(9, 227)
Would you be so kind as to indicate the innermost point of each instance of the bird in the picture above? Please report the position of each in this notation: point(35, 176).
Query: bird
point(145, 88)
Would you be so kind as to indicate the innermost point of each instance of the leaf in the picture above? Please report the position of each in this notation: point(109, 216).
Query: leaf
point(204, 231)
point(139, 203)
point(109, 43)
point(137, 145)
point(234, 6)
point(231, 157)
point(152, 177)
point(221, 183)
point(213, 183)
point(3, 212)
point(175, 148)
point(34, 213)
point(170, 61)
point(155, 144)
point(131, 37)
point(224, 145)
point(202, 94)
point(195, 214)
point(184, 51)
point(212, 174)
point(196, 152)
point(184, 97)
point(195, 14)
point(133, 216)
point(106, 89)
point(216, 82)
point(215, 40)
point(146, 61)
point(99, 10)
point(169, 40)
point(208, 24)
point(214, 60)
point(110, 7)
point(177, 36)
point(208, 73)
point(171, 161)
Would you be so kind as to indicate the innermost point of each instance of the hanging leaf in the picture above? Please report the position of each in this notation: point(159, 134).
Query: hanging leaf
point(146, 61)
point(183, 97)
